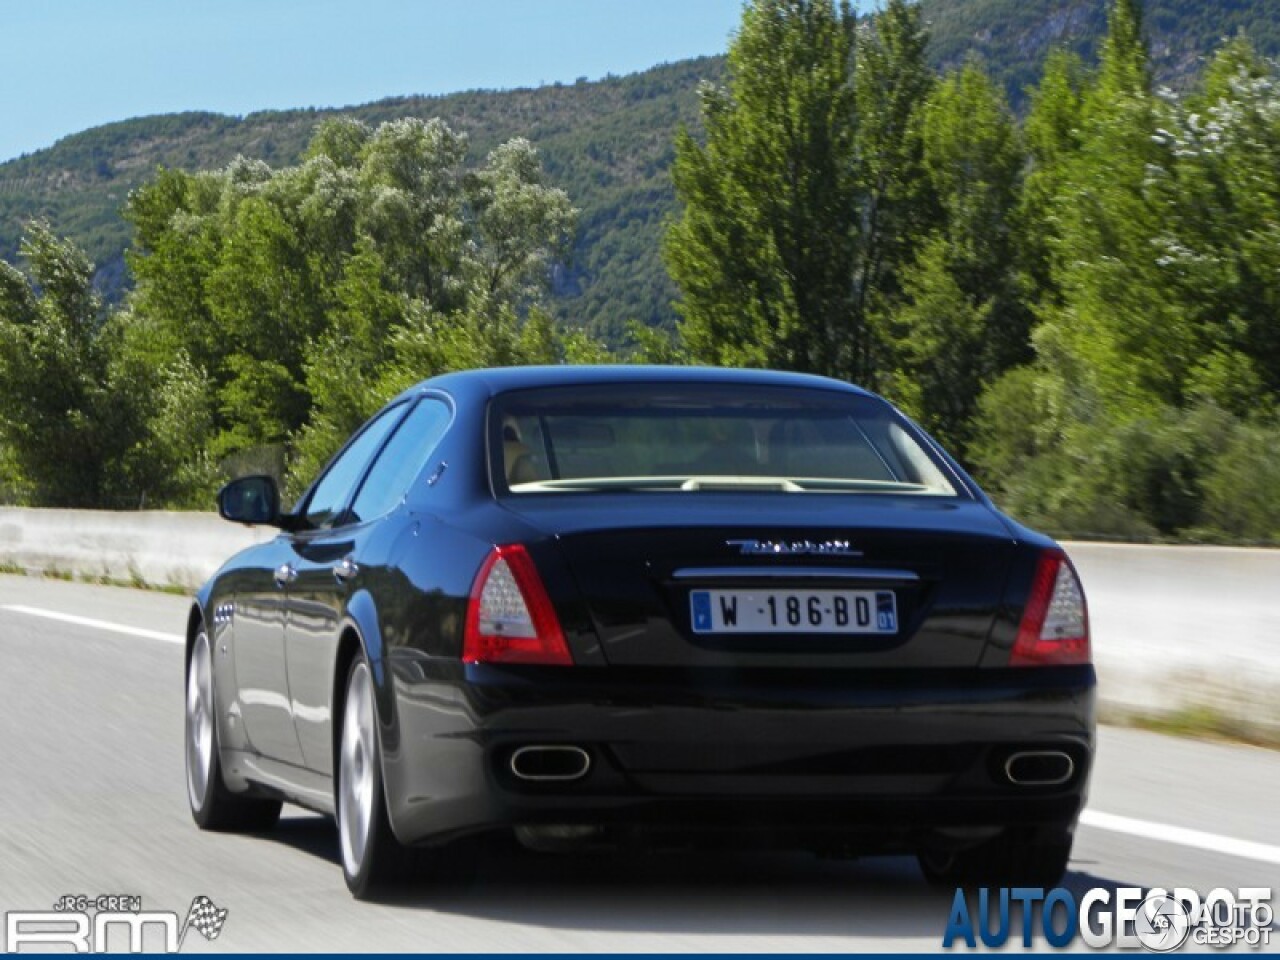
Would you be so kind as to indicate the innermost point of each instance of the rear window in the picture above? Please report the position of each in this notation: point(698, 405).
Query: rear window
point(690, 437)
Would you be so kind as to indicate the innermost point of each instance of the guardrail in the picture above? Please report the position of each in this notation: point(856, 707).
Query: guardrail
point(1173, 627)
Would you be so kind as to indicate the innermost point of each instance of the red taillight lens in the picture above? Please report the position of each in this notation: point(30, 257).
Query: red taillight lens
point(510, 618)
point(1055, 623)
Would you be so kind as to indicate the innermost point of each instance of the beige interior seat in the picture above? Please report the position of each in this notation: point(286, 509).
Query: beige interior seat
point(517, 458)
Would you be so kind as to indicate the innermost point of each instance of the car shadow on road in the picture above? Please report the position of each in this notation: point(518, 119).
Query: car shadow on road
point(722, 893)
point(764, 893)
point(307, 832)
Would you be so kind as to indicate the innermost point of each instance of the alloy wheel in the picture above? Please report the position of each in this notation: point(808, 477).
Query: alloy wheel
point(357, 758)
point(199, 722)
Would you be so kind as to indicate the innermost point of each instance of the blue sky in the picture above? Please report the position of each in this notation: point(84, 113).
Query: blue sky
point(73, 64)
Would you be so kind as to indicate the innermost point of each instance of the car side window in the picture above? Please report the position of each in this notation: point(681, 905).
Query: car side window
point(401, 459)
point(339, 481)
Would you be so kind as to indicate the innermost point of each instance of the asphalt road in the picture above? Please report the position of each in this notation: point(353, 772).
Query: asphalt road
point(92, 802)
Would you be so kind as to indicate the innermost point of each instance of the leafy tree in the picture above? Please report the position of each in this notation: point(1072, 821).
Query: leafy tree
point(942, 337)
point(764, 246)
point(62, 424)
point(344, 366)
point(608, 143)
point(1221, 235)
point(895, 206)
point(1084, 306)
point(301, 298)
point(1240, 500)
point(1123, 343)
point(809, 198)
point(1051, 135)
point(961, 323)
point(1152, 396)
point(520, 225)
point(169, 463)
point(648, 345)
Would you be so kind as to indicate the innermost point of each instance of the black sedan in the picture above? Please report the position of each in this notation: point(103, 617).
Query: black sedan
point(645, 606)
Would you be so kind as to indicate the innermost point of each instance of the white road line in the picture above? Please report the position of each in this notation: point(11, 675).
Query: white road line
point(95, 624)
point(1216, 842)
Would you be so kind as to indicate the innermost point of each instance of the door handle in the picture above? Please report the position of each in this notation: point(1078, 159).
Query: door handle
point(345, 570)
point(286, 573)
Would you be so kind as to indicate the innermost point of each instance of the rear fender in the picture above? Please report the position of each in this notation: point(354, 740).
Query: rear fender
point(362, 620)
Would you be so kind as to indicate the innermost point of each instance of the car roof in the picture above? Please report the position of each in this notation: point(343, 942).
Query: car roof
point(497, 380)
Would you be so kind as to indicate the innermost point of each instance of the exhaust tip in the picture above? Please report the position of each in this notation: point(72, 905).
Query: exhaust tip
point(1039, 768)
point(550, 762)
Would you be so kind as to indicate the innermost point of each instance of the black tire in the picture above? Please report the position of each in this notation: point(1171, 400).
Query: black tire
point(1014, 858)
point(213, 806)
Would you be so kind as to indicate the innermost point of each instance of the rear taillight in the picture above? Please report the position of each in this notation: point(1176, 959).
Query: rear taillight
point(510, 618)
point(1055, 623)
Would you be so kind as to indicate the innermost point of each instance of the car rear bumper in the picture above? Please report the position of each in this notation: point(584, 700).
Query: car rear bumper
point(889, 759)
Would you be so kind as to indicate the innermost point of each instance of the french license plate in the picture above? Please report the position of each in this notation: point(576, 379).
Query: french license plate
point(794, 611)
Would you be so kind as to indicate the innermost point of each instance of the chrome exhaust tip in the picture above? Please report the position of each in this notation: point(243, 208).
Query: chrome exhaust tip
point(1039, 768)
point(550, 762)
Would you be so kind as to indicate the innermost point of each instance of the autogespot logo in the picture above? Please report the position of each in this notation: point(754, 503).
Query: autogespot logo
point(1157, 920)
point(1162, 924)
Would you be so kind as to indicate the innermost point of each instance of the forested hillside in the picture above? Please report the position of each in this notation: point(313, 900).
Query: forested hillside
point(1078, 299)
point(607, 143)
point(1010, 37)
point(1081, 302)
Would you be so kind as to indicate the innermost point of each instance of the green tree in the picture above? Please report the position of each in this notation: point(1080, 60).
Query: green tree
point(648, 345)
point(1051, 134)
point(301, 298)
point(764, 246)
point(809, 198)
point(1122, 343)
point(169, 463)
point(1221, 240)
point(61, 422)
point(345, 364)
point(520, 224)
point(1150, 404)
point(895, 207)
point(960, 322)
point(942, 336)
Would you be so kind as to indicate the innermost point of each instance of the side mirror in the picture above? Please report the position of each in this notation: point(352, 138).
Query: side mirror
point(251, 500)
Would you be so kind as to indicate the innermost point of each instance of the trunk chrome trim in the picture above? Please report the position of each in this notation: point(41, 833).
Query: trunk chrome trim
point(798, 573)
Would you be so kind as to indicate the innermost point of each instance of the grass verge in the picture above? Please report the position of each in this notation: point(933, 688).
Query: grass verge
point(134, 581)
point(1199, 722)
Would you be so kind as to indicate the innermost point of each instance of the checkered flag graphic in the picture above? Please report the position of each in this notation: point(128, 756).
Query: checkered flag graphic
point(205, 917)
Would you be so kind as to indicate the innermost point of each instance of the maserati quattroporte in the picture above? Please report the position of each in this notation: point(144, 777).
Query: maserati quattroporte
point(645, 606)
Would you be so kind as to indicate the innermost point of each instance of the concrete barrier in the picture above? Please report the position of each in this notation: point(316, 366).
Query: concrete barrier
point(1180, 628)
point(156, 547)
point(1173, 627)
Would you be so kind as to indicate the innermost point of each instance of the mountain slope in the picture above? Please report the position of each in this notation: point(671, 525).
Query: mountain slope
point(608, 143)
point(1011, 37)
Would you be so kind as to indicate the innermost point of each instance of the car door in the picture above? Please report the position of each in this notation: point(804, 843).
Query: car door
point(333, 561)
point(258, 587)
point(320, 507)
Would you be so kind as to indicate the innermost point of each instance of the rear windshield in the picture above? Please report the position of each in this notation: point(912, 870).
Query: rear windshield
point(691, 437)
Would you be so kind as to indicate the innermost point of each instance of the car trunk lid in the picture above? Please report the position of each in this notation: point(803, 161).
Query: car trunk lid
point(920, 579)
